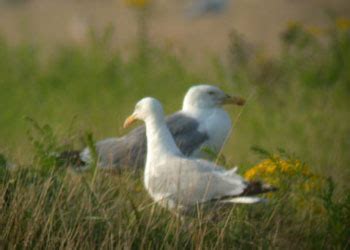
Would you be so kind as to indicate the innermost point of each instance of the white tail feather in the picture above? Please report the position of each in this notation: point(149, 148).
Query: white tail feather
point(244, 200)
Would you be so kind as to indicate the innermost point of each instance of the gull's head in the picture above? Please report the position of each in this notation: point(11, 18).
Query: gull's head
point(146, 108)
point(208, 96)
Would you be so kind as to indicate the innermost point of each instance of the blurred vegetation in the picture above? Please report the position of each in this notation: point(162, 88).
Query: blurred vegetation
point(300, 97)
point(298, 101)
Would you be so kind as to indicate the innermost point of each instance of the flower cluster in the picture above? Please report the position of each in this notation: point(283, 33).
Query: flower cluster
point(293, 178)
point(137, 3)
point(297, 31)
point(343, 23)
point(268, 169)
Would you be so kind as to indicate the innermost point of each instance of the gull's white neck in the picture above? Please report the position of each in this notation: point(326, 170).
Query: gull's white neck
point(160, 142)
point(215, 122)
point(200, 112)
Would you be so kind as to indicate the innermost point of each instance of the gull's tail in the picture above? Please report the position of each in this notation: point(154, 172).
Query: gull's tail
point(247, 197)
point(71, 158)
point(257, 187)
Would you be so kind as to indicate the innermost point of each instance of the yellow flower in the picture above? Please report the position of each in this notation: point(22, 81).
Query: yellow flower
point(291, 177)
point(250, 174)
point(343, 23)
point(293, 24)
point(314, 30)
point(137, 3)
point(276, 170)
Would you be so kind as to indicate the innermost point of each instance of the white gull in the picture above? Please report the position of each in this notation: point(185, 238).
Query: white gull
point(180, 183)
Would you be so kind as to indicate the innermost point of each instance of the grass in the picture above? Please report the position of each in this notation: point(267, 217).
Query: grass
point(298, 102)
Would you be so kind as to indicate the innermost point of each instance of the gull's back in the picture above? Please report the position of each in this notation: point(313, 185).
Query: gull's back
point(130, 150)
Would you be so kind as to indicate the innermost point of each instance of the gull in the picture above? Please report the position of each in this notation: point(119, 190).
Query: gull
point(201, 123)
point(178, 182)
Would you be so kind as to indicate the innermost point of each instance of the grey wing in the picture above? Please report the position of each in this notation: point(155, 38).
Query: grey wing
point(131, 149)
point(185, 132)
point(126, 151)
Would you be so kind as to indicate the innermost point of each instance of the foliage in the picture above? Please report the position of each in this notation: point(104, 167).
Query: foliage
point(138, 3)
point(338, 212)
point(105, 210)
point(45, 146)
point(315, 56)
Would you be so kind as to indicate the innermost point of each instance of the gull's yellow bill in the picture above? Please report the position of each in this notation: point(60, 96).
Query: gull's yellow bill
point(129, 121)
point(234, 100)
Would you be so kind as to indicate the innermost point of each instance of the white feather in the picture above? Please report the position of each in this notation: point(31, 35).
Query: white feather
point(244, 200)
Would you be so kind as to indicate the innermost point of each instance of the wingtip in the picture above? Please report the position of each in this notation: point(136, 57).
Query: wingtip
point(257, 187)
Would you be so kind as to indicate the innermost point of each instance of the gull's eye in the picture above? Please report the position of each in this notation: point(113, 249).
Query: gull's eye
point(211, 92)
